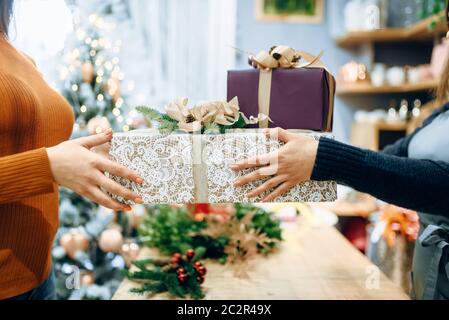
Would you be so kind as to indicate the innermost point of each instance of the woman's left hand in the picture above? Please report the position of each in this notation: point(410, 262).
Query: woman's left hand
point(292, 164)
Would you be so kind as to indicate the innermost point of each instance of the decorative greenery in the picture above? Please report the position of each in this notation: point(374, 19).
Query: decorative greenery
point(175, 229)
point(168, 125)
point(431, 8)
point(306, 7)
point(180, 276)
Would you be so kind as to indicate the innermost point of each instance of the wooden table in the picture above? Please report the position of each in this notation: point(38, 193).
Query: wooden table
point(314, 262)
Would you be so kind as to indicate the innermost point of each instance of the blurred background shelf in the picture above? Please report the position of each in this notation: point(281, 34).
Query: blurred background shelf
point(368, 88)
point(421, 31)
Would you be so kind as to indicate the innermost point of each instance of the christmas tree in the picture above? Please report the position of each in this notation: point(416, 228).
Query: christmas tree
point(93, 244)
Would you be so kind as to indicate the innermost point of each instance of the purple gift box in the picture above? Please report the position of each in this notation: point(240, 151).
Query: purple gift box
point(299, 98)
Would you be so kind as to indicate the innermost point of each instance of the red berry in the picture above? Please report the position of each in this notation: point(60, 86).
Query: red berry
point(200, 279)
point(182, 280)
point(181, 271)
point(176, 258)
point(198, 264)
point(190, 254)
point(183, 277)
point(201, 270)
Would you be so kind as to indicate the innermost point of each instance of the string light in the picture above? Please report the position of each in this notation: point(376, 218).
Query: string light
point(93, 18)
point(116, 112)
point(108, 65)
point(99, 61)
point(106, 68)
point(119, 103)
point(103, 42)
point(75, 54)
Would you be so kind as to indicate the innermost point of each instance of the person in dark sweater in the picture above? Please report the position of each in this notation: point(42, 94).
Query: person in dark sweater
point(391, 175)
point(413, 173)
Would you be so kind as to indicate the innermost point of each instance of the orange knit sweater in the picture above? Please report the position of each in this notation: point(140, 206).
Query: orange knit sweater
point(33, 116)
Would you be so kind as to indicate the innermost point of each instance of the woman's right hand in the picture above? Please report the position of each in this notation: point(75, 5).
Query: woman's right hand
point(75, 167)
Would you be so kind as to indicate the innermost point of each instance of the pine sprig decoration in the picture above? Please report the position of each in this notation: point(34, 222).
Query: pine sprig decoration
point(181, 276)
point(166, 124)
point(172, 230)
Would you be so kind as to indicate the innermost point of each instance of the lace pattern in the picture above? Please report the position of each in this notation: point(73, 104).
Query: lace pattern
point(165, 163)
point(224, 150)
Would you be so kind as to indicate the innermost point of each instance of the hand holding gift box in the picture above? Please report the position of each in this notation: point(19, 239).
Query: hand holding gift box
point(287, 167)
point(195, 168)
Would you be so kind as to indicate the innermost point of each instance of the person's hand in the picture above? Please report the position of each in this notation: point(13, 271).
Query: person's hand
point(292, 164)
point(76, 167)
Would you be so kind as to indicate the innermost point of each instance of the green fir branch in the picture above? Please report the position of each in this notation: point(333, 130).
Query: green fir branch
point(165, 122)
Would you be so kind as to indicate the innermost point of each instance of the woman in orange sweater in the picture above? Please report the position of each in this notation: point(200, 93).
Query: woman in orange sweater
point(35, 158)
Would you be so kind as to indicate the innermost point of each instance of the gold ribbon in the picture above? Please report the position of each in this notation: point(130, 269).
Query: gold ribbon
point(284, 57)
point(212, 112)
point(264, 95)
point(199, 168)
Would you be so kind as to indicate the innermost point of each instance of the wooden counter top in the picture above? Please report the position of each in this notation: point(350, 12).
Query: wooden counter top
point(312, 263)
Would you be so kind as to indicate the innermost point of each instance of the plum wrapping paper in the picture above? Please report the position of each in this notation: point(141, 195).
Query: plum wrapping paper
point(186, 168)
point(297, 98)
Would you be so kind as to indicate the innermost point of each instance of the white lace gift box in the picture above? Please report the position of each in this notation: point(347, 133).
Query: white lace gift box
point(184, 168)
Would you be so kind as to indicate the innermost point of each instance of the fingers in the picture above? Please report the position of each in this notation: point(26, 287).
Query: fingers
point(95, 140)
point(270, 158)
point(279, 134)
point(255, 162)
point(115, 188)
point(118, 170)
point(267, 186)
point(281, 190)
point(96, 195)
point(259, 174)
point(102, 150)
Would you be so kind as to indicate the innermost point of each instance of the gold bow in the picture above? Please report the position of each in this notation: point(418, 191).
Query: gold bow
point(213, 112)
point(284, 57)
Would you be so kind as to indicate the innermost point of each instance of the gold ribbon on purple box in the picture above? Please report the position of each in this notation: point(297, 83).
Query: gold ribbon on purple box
point(284, 57)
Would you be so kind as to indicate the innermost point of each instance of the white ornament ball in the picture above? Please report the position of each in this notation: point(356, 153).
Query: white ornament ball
point(111, 240)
